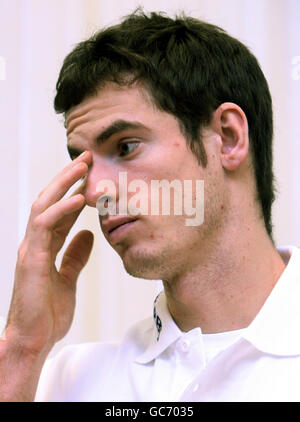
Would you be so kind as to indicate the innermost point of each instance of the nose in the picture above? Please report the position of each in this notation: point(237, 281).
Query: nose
point(101, 179)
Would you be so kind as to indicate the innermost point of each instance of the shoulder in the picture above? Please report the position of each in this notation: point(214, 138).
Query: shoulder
point(81, 366)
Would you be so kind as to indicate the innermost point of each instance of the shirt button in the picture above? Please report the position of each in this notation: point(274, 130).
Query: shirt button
point(185, 346)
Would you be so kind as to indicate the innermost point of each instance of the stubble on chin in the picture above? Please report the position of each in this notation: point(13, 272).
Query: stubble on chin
point(149, 265)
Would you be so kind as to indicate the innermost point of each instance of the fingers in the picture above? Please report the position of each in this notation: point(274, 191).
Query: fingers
point(50, 211)
point(58, 188)
point(81, 187)
point(62, 182)
point(49, 203)
point(51, 217)
point(76, 256)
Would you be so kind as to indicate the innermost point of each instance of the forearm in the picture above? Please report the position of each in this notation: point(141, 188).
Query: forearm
point(43, 300)
point(19, 372)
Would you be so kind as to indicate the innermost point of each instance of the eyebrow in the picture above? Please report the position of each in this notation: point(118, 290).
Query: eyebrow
point(114, 128)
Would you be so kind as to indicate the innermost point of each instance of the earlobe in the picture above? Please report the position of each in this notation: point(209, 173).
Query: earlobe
point(233, 129)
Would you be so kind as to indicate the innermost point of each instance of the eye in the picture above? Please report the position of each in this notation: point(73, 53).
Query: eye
point(126, 148)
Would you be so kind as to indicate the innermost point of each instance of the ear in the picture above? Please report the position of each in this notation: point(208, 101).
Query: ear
point(230, 123)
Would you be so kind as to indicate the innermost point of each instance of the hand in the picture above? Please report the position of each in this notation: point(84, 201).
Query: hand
point(43, 300)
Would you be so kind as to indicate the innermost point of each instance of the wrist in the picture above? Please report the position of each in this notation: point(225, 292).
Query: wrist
point(19, 370)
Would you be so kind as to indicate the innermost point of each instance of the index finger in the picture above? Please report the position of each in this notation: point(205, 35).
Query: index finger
point(85, 157)
point(62, 182)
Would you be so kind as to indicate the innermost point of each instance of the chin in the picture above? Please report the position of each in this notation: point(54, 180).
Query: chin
point(142, 263)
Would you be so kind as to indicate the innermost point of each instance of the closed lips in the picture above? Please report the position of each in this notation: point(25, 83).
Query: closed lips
point(111, 225)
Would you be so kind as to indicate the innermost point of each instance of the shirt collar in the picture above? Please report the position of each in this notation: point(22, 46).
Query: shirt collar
point(274, 329)
point(164, 332)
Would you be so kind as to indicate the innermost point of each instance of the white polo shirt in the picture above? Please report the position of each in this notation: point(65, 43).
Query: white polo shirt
point(158, 362)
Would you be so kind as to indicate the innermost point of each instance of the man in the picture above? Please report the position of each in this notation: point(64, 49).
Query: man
point(162, 99)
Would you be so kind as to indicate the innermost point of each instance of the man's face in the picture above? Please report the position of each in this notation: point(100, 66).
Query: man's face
point(126, 133)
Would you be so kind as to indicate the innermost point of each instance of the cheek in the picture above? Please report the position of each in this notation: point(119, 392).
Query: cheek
point(216, 200)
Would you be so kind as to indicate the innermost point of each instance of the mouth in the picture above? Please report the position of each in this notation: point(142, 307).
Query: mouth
point(115, 229)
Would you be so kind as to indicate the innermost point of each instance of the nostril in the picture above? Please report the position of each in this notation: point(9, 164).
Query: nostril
point(105, 205)
point(102, 201)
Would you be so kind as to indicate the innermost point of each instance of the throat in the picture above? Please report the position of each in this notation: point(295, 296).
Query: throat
point(222, 295)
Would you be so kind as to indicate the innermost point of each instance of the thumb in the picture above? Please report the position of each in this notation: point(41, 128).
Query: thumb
point(76, 256)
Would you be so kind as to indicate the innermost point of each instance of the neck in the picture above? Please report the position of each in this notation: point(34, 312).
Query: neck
point(228, 284)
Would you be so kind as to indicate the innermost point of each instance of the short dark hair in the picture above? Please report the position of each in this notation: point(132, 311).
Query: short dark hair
point(189, 67)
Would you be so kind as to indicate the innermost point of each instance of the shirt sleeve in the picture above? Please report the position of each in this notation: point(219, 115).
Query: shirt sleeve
point(75, 371)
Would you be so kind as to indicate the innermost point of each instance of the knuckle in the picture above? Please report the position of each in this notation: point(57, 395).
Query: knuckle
point(35, 207)
point(22, 254)
point(39, 223)
point(41, 193)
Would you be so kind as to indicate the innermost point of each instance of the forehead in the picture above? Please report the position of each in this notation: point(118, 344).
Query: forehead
point(110, 101)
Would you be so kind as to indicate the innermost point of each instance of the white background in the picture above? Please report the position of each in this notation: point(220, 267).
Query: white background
point(35, 36)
